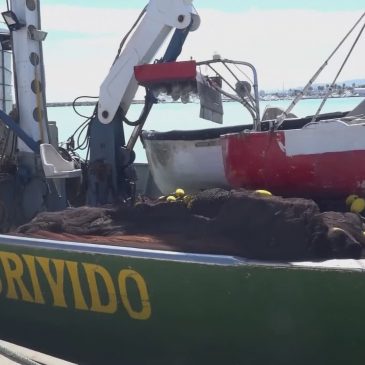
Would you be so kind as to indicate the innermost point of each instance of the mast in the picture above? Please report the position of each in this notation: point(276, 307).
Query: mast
point(29, 72)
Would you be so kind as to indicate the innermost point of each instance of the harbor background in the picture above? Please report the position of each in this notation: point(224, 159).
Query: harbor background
point(167, 116)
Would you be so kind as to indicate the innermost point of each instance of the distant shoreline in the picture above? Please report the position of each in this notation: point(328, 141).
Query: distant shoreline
point(93, 103)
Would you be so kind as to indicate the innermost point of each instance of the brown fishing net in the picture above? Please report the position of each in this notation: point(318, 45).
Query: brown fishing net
point(215, 221)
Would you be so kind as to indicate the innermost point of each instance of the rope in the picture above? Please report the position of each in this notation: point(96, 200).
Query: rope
point(281, 117)
point(338, 74)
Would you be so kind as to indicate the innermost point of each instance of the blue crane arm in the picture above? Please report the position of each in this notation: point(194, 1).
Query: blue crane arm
point(29, 141)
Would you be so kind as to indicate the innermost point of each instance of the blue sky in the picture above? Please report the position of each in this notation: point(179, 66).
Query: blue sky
point(287, 40)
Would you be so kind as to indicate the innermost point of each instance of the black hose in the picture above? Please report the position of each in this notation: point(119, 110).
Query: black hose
point(149, 101)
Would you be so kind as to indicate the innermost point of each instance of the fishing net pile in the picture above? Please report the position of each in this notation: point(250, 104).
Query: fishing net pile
point(215, 221)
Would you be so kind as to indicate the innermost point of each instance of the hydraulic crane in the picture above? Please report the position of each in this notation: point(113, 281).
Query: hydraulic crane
point(109, 177)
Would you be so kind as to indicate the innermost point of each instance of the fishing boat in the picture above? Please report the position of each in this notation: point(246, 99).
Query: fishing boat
point(193, 158)
point(140, 298)
point(299, 158)
point(314, 156)
point(97, 304)
point(318, 156)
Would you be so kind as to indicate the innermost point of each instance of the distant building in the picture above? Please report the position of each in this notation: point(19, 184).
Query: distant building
point(359, 91)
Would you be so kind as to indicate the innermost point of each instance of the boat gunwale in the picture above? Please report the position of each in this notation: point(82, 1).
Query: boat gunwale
point(343, 265)
point(192, 135)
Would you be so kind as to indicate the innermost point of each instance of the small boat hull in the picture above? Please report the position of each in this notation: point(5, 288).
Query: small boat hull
point(325, 159)
point(191, 160)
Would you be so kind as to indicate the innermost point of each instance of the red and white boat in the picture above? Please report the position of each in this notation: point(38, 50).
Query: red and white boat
point(325, 158)
point(320, 156)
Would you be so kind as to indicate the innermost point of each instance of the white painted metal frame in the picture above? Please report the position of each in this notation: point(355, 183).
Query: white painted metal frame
point(120, 85)
point(28, 69)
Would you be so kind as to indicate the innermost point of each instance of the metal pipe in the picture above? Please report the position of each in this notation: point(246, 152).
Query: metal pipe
point(255, 84)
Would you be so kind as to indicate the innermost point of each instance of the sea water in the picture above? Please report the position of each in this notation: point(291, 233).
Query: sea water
point(177, 116)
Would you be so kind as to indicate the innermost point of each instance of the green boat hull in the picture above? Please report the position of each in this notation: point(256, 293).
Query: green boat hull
point(96, 304)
